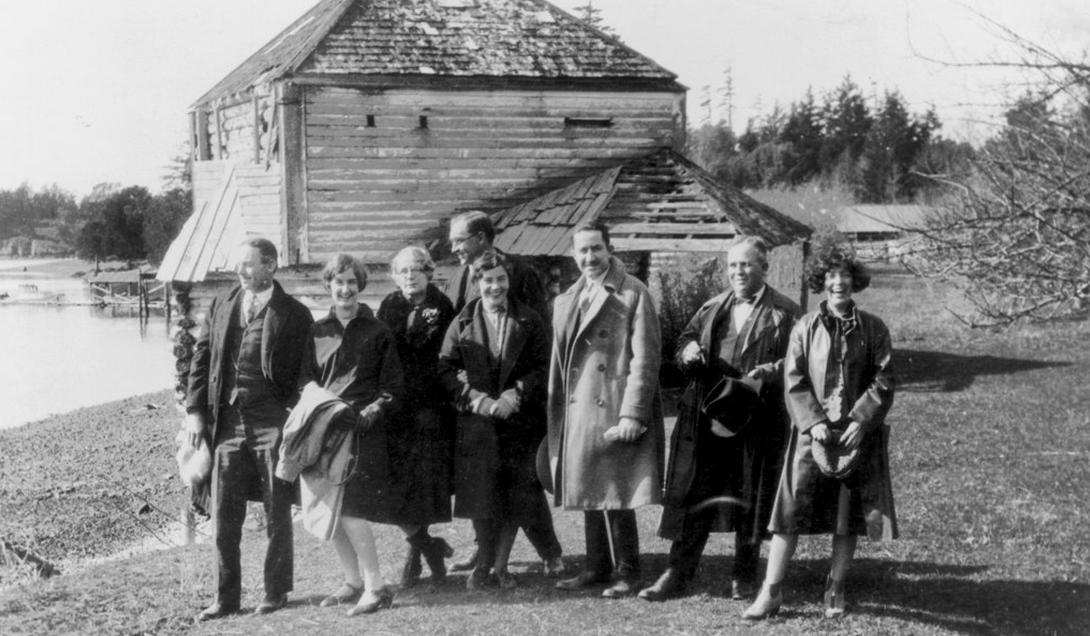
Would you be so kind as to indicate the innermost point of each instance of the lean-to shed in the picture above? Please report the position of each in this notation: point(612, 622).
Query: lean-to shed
point(366, 124)
point(656, 206)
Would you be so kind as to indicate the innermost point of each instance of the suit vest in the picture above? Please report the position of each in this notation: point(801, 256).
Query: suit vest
point(244, 381)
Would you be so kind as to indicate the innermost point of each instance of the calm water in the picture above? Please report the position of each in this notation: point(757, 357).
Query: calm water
point(55, 359)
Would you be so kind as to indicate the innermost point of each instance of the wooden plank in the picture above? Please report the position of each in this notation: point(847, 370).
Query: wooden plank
point(256, 125)
point(590, 102)
point(622, 244)
point(702, 229)
point(293, 208)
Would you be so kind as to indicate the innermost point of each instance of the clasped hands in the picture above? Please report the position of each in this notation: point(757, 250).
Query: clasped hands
point(850, 438)
point(501, 408)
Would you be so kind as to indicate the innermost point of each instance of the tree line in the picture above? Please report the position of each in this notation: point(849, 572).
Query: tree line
point(877, 149)
point(112, 222)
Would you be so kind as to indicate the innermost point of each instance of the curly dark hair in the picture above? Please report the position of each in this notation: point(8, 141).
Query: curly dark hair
point(489, 259)
point(832, 260)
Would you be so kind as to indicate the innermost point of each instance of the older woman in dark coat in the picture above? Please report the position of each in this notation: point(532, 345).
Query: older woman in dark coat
point(422, 446)
point(838, 379)
point(492, 364)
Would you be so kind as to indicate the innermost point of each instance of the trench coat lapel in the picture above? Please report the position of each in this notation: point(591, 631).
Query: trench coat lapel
point(707, 332)
point(764, 321)
point(565, 313)
point(612, 282)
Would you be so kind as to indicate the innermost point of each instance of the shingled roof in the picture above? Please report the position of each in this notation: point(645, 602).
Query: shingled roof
point(658, 202)
point(452, 38)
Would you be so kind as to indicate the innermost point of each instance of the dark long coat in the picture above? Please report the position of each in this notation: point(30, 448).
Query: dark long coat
point(358, 362)
point(422, 444)
point(756, 454)
point(605, 367)
point(285, 331)
point(494, 460)
point(807, 500)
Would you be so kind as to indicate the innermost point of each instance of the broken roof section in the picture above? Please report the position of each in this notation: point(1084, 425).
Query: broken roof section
point(659, 202)
point(453, 38)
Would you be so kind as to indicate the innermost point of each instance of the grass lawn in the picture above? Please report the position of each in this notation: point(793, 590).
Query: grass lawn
point(989, 451)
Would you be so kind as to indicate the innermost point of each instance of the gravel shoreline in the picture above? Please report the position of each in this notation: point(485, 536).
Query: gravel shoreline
point(89, 483)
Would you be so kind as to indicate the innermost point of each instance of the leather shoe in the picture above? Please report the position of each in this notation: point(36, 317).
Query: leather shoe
point(216, 610)
point(271, 603)
point(371, 602)
point(348, 593)
point(669, 585)
point(506, 580)
point(767, 604)
point(582, 581)
point(553, 567)
point(741, 590)
point(479, 579)
point(465, 564)
point(622, 587)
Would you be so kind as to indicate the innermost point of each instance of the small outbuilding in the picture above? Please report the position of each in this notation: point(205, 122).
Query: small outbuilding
point(657, 207)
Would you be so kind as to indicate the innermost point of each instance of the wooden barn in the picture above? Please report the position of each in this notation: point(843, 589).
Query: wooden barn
point(366, 124)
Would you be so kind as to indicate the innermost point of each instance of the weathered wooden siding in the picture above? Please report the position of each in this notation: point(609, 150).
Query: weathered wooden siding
point(377, 179)
point(257, 202)
point(240, 131)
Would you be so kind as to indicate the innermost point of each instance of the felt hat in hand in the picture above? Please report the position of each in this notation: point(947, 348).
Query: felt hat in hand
point(194, 463)
point(732, 403)
point(835, 459)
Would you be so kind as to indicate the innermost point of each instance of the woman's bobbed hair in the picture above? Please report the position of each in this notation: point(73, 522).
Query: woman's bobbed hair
point(835, 259)
point(342, 263)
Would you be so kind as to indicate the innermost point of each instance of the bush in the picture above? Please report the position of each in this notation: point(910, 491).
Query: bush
point(683, 287)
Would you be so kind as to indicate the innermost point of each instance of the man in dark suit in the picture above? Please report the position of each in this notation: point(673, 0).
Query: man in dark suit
point(471, 235)
point(723, 476)
point(242, 381)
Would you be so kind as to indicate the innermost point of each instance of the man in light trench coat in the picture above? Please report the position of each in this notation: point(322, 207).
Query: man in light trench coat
point(606, 435)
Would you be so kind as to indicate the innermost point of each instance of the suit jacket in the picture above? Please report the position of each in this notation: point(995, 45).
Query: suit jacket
point(605, 367)
point(758, 449)
point(527, 286)
point(285, 332)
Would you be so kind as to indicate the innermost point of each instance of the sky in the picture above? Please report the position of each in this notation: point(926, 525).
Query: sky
point(98, 91)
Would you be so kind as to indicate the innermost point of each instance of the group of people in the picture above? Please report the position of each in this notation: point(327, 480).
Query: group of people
point(495, 396)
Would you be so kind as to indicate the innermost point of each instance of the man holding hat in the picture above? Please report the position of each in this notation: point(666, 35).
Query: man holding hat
point(242, 381)
point(727, 447)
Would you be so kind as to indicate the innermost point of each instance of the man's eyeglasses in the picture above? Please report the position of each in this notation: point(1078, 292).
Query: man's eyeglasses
point(411, 271)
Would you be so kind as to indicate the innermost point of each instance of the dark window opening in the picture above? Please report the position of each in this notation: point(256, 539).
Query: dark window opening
point(423, 121)
point(370, 121)
point(588, 122)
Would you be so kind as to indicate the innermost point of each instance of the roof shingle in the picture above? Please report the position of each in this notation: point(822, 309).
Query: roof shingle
point(463, 38)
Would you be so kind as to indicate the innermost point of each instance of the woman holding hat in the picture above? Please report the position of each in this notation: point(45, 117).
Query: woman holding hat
point(838, 380)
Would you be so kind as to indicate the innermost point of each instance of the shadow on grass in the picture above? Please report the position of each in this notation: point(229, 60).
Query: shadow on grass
point(939, 371)
point(959, 598)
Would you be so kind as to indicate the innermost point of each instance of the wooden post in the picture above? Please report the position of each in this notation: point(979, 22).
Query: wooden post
point(219, 132)
point(293, 205)
point(256, 125)
point(204, 153)
point(168, 300)
point(189, 524)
